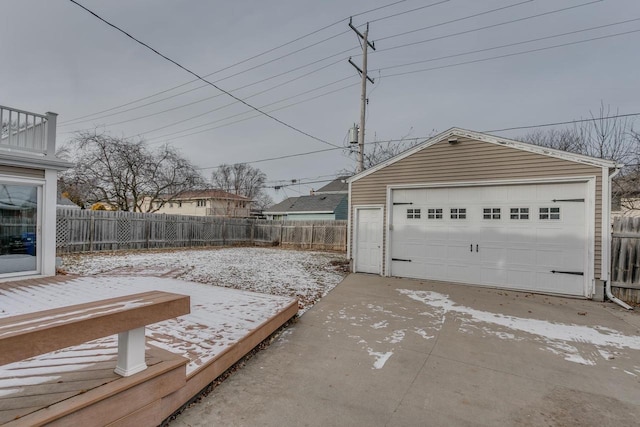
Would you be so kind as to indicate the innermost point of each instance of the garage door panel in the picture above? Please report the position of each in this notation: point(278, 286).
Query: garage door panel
point(516, 250)
point(521, 257)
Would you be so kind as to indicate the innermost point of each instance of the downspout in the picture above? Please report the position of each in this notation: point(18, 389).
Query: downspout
point(608, 282)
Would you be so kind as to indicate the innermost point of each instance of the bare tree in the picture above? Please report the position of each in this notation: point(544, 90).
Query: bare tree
point(605, 136)
point(126, 174)
point(243, 180)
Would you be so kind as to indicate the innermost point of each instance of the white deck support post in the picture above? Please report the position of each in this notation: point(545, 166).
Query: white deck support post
point(50, 148)
point(131, 351)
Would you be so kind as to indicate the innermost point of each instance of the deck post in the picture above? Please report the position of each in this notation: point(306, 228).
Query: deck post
point(50, 147)
point(131, 352)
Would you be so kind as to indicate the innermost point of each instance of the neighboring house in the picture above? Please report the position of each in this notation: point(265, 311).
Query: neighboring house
point(477, 209)
point(328, 203)
point(337, 186)
point(28, 189)
point(215, 203)
point(315, 207)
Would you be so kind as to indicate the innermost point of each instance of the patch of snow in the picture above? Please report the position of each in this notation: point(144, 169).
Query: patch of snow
point(381, 358)
point(423, 333)
point(381, 324)
point(630, 373)
point(557, 336)
point(306, 275)
point(396, 336)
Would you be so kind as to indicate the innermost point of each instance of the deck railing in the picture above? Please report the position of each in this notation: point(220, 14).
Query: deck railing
point(25, 131)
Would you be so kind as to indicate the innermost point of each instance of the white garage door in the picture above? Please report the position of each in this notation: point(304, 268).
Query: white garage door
point(529, 237)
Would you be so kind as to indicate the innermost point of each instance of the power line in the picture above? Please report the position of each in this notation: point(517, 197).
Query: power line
point(509, 44)
point(415, 139)
point(236, 63)
point(460, 63)
point(475, 61)
point(248, 118)
point(215, 96)
point(488, 26)
point(593, 119)
point(475, 15)
point(201, 78)
point(408, 11)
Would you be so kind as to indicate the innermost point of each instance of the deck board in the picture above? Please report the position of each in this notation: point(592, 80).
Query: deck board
point(223, 326)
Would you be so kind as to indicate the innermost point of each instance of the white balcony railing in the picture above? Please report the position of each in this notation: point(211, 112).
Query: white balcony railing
point(25, 131)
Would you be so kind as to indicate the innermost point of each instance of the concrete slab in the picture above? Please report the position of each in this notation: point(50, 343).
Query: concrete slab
point(393, 352)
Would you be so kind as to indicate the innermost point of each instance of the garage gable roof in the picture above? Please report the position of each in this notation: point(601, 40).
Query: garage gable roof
point(463, 133)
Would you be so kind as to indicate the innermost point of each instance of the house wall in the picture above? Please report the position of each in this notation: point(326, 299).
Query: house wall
point(342, 210)
point(471, 160)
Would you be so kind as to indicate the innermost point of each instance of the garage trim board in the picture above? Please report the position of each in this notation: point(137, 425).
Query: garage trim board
point(506, 244)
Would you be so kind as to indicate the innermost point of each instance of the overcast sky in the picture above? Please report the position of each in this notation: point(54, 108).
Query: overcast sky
point(57, 57)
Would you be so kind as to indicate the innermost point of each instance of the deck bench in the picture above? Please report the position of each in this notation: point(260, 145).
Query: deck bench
point(28, 335)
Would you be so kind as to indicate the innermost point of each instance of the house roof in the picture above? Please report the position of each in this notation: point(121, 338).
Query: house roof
point(209, 194)
point(338, 185)
point(463, 133)
point(320, 203)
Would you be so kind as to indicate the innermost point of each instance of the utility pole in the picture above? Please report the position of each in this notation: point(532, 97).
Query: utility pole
point(363, 95)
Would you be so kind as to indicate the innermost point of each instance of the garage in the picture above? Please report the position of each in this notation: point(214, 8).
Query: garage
point(471, 208)
point(529, 237)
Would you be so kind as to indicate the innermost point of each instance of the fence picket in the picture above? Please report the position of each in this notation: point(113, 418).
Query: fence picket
point(625, 259)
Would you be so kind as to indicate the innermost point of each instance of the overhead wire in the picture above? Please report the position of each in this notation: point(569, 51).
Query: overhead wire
point(463, 63)
point(475, 61)
point(390, 48)
point(201, 78)
point(509, 44)
point(417, 138)
point(239, 62)
point(486, 27)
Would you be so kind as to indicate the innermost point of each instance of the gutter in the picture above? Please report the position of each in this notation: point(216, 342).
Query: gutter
point(608, 282)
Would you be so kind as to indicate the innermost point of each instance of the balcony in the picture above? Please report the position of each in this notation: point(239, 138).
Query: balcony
point(23, 132)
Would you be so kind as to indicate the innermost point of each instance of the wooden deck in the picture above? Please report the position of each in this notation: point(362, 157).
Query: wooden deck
point(77, 385)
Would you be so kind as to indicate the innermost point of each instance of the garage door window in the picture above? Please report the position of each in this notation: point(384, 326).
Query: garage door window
point(413, 213)
point(491, 213)
point(519, 213)
point(550, 213)
point(434, 213)
point(458, 213)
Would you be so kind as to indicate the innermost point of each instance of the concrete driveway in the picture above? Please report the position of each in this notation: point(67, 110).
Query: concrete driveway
point(398, 352)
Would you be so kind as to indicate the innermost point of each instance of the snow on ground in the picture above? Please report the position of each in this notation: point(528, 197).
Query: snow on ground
point(379, 329)
point(558, 338)
point(302, 274)
point(219, 317)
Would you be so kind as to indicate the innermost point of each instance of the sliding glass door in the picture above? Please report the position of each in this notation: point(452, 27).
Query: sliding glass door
point(19, 221)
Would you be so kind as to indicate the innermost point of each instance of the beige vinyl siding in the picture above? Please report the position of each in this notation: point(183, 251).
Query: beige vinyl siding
point(470, 160)
point(21, 172)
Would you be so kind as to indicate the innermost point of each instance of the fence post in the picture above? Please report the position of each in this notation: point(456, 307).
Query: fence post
point(224, 229)
point(312, 228)
point(92, 229)
point(253, 222)
point(280, 240)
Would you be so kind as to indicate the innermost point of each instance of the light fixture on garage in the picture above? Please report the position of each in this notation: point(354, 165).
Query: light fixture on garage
point(453, 140)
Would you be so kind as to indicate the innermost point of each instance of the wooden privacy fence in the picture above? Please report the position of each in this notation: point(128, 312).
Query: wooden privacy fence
point(85, 230)
point(625, 259)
